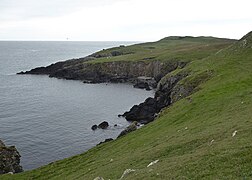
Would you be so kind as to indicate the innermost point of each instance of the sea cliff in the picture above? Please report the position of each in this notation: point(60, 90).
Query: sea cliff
point(158, 65)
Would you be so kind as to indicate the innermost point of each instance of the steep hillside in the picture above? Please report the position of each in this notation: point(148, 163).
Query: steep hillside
point(203, 134)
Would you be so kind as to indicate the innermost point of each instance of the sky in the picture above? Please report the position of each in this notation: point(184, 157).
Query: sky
point(122, 20)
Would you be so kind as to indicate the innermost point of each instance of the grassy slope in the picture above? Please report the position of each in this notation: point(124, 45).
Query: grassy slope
point(167, 49)
point(181, 137)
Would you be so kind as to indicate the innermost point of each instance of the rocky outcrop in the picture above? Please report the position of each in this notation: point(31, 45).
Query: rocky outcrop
point(116, 72)
point(142, 85)
point(146, 111)
point(144, 82)
point(103, 125)
point(187, 86)
point(171, 88)
point(166, 88)
point(130, 128)
point(9, 159)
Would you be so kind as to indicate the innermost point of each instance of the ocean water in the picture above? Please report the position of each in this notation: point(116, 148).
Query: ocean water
point(48, 119)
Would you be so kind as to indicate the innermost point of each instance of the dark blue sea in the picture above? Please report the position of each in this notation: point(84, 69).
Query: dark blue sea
point(48, 119)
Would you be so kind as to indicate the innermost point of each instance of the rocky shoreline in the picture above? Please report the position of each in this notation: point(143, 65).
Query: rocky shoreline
point(165, 95)
point(142, 74)
point(167, 78)
point(147, 74)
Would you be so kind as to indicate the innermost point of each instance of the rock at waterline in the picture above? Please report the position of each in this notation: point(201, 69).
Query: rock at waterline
point(94, 127)
point(144, 82)
point(106, 140)
point(142, 85)
point(130, 128)
point(9, 159)
point(103, 125)
point(144, 112)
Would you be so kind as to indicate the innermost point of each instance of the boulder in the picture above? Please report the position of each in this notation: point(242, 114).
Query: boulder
point(130, 128)
point(103, 125)
point(144, 112)
point(94, 127)
point(9, 159)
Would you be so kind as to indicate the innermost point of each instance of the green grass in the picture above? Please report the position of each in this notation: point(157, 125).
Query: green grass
point(181, 137)
point(186, 49)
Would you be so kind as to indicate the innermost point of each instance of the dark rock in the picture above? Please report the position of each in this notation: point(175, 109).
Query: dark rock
point(115, 125)
point(118, 79)
point(94, 127)
point(142, 85)
point(22, 72)
point(158, 77)
point(118, 72)
point(87, 81)
point(106, 140)
point(130, 128)
point(144, 112)
point(103, 125)
point(9, 159)
point(45, 70)
point(148, 88)
point(144, 82)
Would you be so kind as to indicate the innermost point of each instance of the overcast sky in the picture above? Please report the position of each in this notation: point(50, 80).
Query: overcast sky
point(131, 20)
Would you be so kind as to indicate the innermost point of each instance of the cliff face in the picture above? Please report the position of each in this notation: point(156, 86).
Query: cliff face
point(117, 71)
point(159, 64)
point(9, 159)
point(126, 63)
point(171, 88)
point(166, 91)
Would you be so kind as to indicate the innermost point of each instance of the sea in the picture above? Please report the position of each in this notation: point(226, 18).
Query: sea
point(49, 119)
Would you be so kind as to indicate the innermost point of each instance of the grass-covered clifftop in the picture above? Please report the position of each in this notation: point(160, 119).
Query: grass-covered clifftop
point(206, 135)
